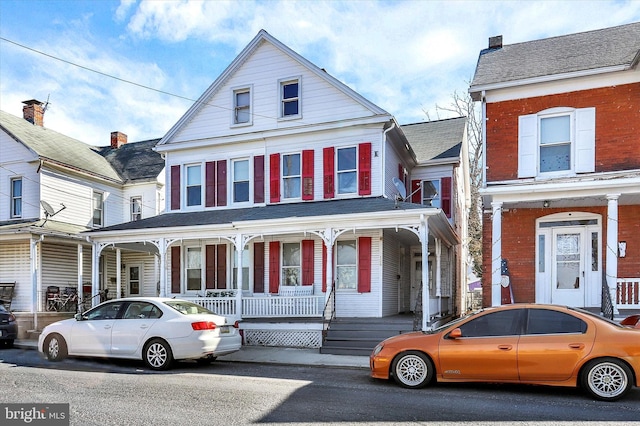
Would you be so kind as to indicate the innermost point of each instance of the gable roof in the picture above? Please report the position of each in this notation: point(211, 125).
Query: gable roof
point(436, 140)
point(57, 148)
point(590, 52)
point(260, 38)
point(135, 161)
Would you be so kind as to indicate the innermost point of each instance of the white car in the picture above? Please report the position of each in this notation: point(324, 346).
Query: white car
point(155, 329)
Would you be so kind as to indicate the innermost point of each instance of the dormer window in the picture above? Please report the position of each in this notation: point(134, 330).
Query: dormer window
point(290, 98)
point(242, 106)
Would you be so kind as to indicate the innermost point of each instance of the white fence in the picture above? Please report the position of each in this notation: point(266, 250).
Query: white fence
point(265, 306)
point(628, 293)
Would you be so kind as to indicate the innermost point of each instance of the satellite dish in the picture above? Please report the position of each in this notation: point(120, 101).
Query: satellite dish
point(402, 191)
point(49, 211)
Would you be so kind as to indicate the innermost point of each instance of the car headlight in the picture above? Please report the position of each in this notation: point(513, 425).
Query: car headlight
point(377, 349)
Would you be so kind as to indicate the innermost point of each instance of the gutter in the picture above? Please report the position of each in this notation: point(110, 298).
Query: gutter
point(384, 153)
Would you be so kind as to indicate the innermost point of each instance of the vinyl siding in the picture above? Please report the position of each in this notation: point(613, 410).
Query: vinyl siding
point(14, 159)
point(15, 267)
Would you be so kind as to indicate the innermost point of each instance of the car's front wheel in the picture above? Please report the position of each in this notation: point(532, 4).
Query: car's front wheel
point(606, 379)
point(157, 354)
point(55, 347)
point(412, 369)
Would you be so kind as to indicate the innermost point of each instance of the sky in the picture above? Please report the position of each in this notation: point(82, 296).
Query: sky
point(137, 66)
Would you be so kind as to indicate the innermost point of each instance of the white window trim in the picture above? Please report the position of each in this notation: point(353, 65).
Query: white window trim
point(185, 278)
point(281, 84)
point(234, 92)
point(13, 197)
point(131, 204)
point(282, 266)
point(335, 272)
point(102, 208)
point(186, 185)
point(282, 176)
point(338, 171)
point(582, 142)
point(231, 177)
point(438, 194)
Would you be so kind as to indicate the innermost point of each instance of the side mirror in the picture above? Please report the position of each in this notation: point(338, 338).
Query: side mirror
point(456, 333)
point(78, 317)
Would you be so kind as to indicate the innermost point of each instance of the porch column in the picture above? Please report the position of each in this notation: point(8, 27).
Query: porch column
point(438, 271)
point(612, 248)
point(36, 286)
point(496, 253)
point(328, 241)
point(239, 244)
point(95, 274)
point(118, 273)
point(162, 253)
point(426, 302)
point(80, 276)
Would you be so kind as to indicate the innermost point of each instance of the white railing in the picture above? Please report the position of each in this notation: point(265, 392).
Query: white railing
point(264, 306)
point(628, 293)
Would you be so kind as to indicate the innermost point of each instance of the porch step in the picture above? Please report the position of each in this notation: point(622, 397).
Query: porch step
point(358, 336)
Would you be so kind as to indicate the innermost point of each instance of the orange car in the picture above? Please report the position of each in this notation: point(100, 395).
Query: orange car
point(522, 343)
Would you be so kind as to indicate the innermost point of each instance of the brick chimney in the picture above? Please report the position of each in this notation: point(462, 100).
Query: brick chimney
point(118, 139)
point(33, 112)
point(495, 42)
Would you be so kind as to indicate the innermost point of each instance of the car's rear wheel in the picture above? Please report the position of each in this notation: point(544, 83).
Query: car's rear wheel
point(412, 369)
point(55, 347)
point(606, 379)
point(157, 354)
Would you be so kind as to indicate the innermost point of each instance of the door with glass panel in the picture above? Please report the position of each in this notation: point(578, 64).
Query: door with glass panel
point(568, 271)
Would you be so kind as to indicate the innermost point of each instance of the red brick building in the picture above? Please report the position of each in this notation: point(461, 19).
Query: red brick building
point(561, 185)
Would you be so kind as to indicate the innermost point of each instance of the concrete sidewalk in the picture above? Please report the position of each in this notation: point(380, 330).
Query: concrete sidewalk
point(272, 355)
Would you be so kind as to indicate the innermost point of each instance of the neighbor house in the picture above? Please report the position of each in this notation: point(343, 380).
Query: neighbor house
point(561, 187)
point(289, 203)
point(52, 188)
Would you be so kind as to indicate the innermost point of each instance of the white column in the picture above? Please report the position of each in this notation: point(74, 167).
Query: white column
point(239, 244)
point(426, 301)
point(95, 274)
point(328, 242)
point(80, 276)
point(612, 247)
point(118, 273)
point(438, 271)
point(496, 253)
point(36, 290)
point(162, 252)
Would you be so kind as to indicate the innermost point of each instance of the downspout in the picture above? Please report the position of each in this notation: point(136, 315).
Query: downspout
point(384, 153)
point(484, 140)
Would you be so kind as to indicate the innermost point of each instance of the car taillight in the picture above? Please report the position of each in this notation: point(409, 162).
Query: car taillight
point(203, 325)
point(12, 318)
point(236, 324)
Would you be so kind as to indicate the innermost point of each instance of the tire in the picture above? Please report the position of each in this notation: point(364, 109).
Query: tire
point(412, 370)
point(606, 379)
point(157, 354)
point(55, 348)
point(9, 344)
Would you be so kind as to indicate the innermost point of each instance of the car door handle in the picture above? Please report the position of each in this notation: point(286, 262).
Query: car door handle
point(505, 347)
point(108, 326)
point(144, 326)
point(576, 345)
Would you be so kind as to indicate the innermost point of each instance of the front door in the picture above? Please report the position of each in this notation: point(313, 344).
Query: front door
point(568, 272)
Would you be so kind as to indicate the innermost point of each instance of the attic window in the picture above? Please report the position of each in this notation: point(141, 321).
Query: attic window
point(242, 106)
point(290, 98)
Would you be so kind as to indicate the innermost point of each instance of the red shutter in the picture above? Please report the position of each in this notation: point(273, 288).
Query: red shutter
point(210, 266)
point(328, 171)
point(416, 198)
point(364, 168)
point(274, 177)
point(175, 187)
point(221, 182)
point(258, 267)
point(324, 267)
point(221, 267)
point(364, 264)
point(307, 262)
point(210, 184)
point(175, 269)
point(274, 266)
point(307, 174)
point(445, 198)
point(258, 179)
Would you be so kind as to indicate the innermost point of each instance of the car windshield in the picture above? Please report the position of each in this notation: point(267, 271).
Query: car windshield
point(187, 308)
point(450, 323)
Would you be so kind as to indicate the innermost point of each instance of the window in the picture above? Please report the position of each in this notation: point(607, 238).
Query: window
point(347, 170)
point(346, 264)
point(98, 208)
point(134, 280)
point(291, 176)
point(290, 98)
point(291, 270)
point(556, 142)
point(16, 197)
point(431, 193)
point(136, 208)
point(242, 106)
point(240, 181)
point(245, 269)
point(194, 185)
point(194, 268)
point(104, 312)
point(503, 323)
point(545, 321)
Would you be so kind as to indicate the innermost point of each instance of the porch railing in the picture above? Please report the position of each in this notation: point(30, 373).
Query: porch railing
point(264, 306)
point(628, 293)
